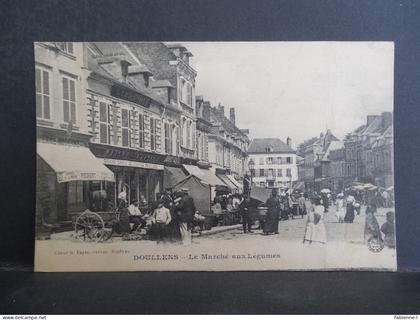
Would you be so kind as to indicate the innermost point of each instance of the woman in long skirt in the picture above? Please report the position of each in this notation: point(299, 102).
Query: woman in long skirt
point(371, 224)
point(315, 227)
point(271, 224)
point(349, 217)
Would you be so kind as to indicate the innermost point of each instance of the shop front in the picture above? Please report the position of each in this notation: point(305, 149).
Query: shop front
point(138, 175)
point(65, 174)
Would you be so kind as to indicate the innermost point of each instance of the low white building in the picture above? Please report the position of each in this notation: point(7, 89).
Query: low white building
point(272, 163)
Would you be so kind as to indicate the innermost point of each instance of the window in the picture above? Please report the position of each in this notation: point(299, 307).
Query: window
point(141, 131)
point(269, 160)
point(279, 173)
point(65, 46)
point(192, 136)
point(104, 123)
point(42, 84)
point(69, 100)
point(261, 172)
point(289, 160)
point(176, 131)
point(288, 172)
point(203, 149)
point(125, 128)
point(261, 160)
point(188, 134)
point(181, 90)
point(168, 138)
point(271, 173)
point(189, 94)
point(152, 134)
point(75, 192)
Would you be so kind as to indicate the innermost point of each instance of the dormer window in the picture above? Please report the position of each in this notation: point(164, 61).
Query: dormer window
point(124, 69)
point(65, 47)
point(268, 149)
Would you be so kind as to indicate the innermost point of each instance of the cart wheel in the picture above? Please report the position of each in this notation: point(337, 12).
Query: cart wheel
point(89, 226)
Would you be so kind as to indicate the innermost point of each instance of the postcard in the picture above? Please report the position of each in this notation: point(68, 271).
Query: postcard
point(214, 156)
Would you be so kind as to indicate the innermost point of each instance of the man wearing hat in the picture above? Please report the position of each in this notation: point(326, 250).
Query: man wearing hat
point(187, 210)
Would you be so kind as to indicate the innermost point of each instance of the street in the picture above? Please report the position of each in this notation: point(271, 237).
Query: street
point(294, 229)
point(221, 249)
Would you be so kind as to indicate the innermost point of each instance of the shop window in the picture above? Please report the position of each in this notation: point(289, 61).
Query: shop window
point(69, 100)
point(42, 84)
point(75, 192)
point(125, 128)
point(141, 131)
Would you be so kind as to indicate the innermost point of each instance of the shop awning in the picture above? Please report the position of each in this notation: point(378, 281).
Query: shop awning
point(299, 185)
point(260, 194)
point(239, 185)
point(172, 175)
point(205, 175)
point(73, 163)
point(227, 181)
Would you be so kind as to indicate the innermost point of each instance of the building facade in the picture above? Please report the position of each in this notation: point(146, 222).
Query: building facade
point(133, 125)
point(171, 63)
point(65, 166)
point(272, 163)
point(227, 144)
point(364, 161)
point(315, 169)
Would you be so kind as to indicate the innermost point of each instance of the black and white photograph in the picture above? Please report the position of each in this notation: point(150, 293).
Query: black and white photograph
point(214, 156)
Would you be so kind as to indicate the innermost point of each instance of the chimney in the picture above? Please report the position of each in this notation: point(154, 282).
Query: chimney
point(206, 110)
point(289, 142)
point(232, 115)
point(386, 119)
point(221, 109)
point(117, 65)
point(370, 119)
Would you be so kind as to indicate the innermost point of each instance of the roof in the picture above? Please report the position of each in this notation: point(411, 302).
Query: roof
point(260, 145)
point(225, 123)
point(334, 145)
point(161, 84)
point(99, 70)
point(138, 69)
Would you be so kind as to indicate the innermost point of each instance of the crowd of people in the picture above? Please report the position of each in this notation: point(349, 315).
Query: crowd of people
point(171, 218)
point(174, 216)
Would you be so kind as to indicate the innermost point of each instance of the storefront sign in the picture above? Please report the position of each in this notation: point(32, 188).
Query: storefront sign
point(129, 95)
point(136, 164)
point(84, 176)
point(111, 152)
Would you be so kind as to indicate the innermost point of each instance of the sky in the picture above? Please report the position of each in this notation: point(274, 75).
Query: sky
point(296, 89)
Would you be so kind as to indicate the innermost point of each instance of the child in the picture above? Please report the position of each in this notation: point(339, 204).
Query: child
point(388, 229)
